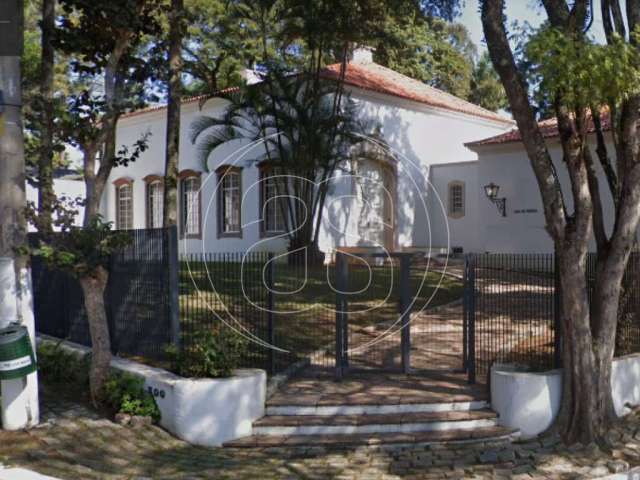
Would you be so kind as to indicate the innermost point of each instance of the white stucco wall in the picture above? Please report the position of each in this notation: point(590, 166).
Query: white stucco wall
point(62, 187)
point(463, 231)
point(130, 129)
point(418, 136)
point(523, 229)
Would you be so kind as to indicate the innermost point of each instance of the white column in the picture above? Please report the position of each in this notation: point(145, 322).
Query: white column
point(19, 402)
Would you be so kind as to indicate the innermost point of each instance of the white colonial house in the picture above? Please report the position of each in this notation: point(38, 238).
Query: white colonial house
point(426, 192)
point(409, 197)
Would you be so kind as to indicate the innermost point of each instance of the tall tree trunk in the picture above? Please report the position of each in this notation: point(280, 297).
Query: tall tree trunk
point(578, 415)
point(588, 349)
point(105, 141)
point(589, 327)
point(170, 201)
point(46, 195)
point(93, 287)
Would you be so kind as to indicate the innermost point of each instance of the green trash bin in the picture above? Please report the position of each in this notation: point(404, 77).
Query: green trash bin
point(16, 355)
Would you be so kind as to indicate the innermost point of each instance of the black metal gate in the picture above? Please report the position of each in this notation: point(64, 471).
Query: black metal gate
point(372, 332)
point(511, 312)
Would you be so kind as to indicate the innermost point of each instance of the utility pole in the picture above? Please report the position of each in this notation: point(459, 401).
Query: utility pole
point(19, 402)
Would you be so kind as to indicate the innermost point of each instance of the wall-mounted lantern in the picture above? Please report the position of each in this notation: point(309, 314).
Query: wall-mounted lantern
point(491, 191)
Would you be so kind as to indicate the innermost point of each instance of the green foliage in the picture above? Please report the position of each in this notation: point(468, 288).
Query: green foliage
point(33, 102)
point(210, 354)
point(77, 33)
point(579, 71)
point(486, 88)
point(220, 43)
point(309, 127)
point(408, 36)
point(425, 48)
point(79, 251)
point(125, 393)
point(58, 365)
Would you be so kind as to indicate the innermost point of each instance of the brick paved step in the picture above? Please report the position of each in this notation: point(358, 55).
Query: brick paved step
point(372, 409)
point(493, 434)
point(376, 423)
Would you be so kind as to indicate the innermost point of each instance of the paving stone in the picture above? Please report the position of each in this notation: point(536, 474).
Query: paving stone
point(80, 444)
point(490, 456)
point(617, 466)
point(506, 455)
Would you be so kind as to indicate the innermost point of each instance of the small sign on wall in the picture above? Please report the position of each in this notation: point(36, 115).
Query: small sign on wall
point(525, 210)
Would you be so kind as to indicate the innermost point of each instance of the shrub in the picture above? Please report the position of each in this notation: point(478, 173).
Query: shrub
point(125, 393)
point(58, 365)
point(211, 354)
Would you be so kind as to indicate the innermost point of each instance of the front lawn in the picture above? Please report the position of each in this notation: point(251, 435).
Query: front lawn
point(303, 303)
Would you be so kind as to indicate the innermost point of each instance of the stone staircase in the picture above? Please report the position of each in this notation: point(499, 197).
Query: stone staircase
point(367, 424)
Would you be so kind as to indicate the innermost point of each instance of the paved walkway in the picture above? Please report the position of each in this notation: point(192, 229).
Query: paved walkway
point(76, 443)
point(316, 386)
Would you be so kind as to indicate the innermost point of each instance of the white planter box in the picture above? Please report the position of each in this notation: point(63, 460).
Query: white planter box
point(523, 400)
point(625, 383)
point(530, 401)
point(202, 411)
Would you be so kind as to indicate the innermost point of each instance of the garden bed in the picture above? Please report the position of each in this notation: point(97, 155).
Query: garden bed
point(201, 411)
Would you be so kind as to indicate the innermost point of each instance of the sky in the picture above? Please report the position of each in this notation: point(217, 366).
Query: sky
point(517, 10)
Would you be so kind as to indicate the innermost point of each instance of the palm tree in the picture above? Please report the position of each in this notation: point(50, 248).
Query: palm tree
point(307, 129)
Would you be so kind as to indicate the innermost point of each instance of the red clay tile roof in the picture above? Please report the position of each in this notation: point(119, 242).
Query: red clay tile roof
point(185, 100)
point(373, 77)
point(548, 128)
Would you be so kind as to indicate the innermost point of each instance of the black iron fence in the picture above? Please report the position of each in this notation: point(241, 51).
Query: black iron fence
point(339, 317)
point(140, 299)
point(283, 310)
point(512, 311)
point(287, 311)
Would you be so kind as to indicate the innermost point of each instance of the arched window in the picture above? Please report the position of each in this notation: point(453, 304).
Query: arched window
point(272, 202)
point(190, 215)
point(456, 201)
point(155, 200)
point(124, 203)
point(229, 199)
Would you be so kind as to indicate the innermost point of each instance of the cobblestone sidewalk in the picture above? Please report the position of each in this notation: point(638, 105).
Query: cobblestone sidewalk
point(76, 443)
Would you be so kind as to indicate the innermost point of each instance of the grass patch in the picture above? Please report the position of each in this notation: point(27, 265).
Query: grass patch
point(304, 302)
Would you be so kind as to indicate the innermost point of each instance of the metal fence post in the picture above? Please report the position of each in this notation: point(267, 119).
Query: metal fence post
point(471, 360)
point(270, 304)
point(465, 315)
point(109, 310)
point(405, 312)
point(174, 284)
point(341, 320)
point(557, 314)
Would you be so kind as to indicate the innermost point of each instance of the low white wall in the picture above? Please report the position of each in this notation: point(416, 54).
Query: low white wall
point(530, 401)
point(625, 383)
point(523, 400)
point(202, 411)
